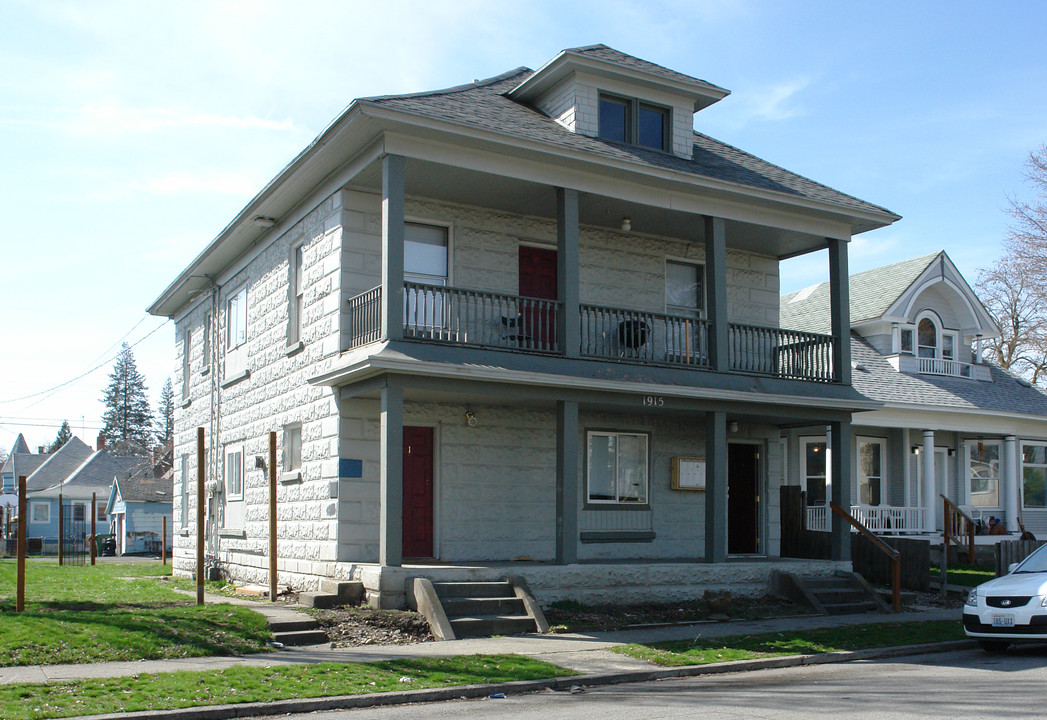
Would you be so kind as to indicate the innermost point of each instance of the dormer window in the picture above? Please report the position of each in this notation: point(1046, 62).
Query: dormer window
point(630, 121)
point(927, 338)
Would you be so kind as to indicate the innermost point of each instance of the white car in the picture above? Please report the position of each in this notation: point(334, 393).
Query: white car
point(1012, 608)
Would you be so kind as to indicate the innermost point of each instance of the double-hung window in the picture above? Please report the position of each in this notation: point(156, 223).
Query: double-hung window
point(1034, 475)
point(295, 297)
point(634, 122)
point(685, 302)
point(814, 458)
point(187, 347)
point(425, 262)
point(983, 470)
point(234, 487)
point(870, 471)
point(292, 448)
point(236, 332)
point(617, 468)
point(40, 513)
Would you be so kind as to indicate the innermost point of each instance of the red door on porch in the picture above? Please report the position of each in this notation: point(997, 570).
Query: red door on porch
point(537, 280)
point(418, 492)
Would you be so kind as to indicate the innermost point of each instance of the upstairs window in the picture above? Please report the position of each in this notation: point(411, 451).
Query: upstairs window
point(927, 336)
point(684, 291)
point(295, 296)
point(633, 122)
point(236, 319)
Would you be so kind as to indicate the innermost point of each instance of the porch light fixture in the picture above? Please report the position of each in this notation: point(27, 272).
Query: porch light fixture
point(627, 224)
point(264, 221)
point(952, 452)
point(915, 450)
point(733, 427)
point(470, 418)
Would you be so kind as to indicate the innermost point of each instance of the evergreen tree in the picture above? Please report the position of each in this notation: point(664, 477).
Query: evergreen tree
point(165, 413)
point(127, 416)
point(64, 434)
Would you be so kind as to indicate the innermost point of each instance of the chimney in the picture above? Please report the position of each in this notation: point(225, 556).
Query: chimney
point(40, 449)
point(100, 443)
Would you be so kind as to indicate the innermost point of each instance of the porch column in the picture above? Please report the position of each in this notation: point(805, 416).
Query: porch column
point(391, 461)
point(568, 334)
point(1012, 475)
point(840, 310)
point(840, 472)
point(715, 486)
point(930, 497)
point(566, 482)
point(716, 292)
point(392, 247)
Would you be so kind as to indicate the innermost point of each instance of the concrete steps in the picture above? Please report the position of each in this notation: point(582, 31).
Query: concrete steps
point(477, 609)
point(297, 630)
point(843, 593)
point(333, 593)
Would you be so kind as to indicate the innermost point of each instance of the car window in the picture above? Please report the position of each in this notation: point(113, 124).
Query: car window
point(1037, 562)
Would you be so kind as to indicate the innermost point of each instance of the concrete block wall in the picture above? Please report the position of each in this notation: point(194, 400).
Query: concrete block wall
point(273, 395)
point(613, 265)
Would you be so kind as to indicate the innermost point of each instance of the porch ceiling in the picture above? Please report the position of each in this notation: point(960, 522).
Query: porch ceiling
point(447, 183)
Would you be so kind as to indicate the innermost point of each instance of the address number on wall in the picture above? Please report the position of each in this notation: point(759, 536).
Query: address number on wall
point(653, 401)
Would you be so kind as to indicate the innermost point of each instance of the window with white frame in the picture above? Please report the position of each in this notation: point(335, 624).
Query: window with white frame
point(236, 332)
point(927, 338)
point(187, 346)
point(870, 471)
point(292, 448)
point(426, 263)
point(295, 297)
point(983, 472)
point(186, 488)
point(205, 359)
point(234, 488)
point(814, 469)
point(617, 468)
point(39, 513)
point(1034, 475)
point(684, 297)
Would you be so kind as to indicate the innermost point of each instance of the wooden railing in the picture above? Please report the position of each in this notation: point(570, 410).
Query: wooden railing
point(780, 352)
point(957, 528)
point(892, 554)
point(937, 366)
point(638, 336)
point(365, 318)
point(887, 519)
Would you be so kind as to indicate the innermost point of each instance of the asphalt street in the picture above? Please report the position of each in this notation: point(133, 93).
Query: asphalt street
point(964, 684)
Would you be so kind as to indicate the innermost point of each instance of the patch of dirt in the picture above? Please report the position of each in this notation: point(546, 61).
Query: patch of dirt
point(355, 626)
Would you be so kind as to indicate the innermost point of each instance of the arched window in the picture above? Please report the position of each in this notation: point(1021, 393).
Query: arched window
point(927, 337)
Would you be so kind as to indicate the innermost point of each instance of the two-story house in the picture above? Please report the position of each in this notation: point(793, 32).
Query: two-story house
point(530, 320)
point(950, 424)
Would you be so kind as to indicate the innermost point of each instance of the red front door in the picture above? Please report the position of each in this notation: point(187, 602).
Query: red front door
point(538, 280)
point(418, 492)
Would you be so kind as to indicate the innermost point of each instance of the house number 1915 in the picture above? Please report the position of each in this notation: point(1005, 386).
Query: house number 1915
point(653, 400)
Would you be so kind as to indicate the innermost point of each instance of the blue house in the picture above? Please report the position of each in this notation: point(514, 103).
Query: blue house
point(137, 506)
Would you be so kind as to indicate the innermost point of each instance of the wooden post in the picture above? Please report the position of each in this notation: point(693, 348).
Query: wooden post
point(163, 541)
point(946, 537)
point(199, 516)
point(272, 517)
point(61, 527)
point(94, 528)
point(23, 518)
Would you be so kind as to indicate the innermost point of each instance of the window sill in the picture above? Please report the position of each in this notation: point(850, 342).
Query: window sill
point(290, 478)
point(205, 371)
point(294, 348)
point(235, 378)
point(644, 536)
point(628, 507)
point(232, 533)
point(186, 403)
point(184, 532)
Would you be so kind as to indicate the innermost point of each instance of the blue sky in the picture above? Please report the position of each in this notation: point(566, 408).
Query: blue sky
point(132, 132)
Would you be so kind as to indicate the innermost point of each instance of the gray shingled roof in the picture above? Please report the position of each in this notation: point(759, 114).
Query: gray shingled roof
point(59, 465)
point(608, 54)
point(871, 292)
point(877, 379)
point(482, 105)
point(145, 488)
point(96, 474)
point(20, 445)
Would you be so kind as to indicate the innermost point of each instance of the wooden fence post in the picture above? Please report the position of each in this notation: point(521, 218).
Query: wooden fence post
point(272, 517)
point(199, 516)
point(61, 527)
point(23, 520)
point(163, 541)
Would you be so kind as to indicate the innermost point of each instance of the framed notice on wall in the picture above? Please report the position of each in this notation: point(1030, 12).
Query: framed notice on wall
point(688, 473)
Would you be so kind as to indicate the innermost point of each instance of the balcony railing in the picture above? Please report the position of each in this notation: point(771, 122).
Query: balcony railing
point(882, 520)
point(936, 366)
point(437, 313)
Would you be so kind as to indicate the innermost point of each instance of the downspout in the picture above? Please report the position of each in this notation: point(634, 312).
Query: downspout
point(211, 530)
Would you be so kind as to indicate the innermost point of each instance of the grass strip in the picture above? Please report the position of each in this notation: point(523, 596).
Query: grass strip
point(81, 614)
point(165, 691)
point(965, 576)
point(795, 642)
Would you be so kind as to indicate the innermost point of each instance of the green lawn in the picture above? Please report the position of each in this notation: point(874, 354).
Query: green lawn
point(244, 684)
point(965, 575)
point(79, 614)
point(748, 647)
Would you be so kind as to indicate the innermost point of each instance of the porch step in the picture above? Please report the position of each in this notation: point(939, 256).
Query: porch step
point(478, 609)
point(843, 593)
point(333, 593)
point(302, 630)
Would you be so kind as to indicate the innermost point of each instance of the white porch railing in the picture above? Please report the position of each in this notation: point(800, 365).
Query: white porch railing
point(882, 520)
point(935, 366)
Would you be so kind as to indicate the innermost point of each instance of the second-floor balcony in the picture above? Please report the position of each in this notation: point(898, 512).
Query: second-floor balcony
point(474, 318)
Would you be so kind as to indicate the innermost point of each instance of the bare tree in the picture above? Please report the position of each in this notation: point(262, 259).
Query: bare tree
point(1011, 291)
point(1027, 234)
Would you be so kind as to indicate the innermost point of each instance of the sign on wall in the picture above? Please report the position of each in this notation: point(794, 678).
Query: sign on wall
point(688, 473)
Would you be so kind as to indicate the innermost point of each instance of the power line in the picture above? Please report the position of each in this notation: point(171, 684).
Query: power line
point(85, 374)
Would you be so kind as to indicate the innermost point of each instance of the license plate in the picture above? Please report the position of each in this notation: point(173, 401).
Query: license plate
point(1003, 620)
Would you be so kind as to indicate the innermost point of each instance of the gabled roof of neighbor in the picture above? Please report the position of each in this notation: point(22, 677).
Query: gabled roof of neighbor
point(20, 445)
point(871, 293)
point(95, 474)
point(59, 465)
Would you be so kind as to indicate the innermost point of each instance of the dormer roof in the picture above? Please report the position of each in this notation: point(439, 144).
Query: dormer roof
point(607, 62)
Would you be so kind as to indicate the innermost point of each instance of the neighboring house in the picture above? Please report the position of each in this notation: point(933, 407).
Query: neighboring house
point(950, 424)
point(78, 476)
point(532, 318)
point(21, 462)
point(137, 506)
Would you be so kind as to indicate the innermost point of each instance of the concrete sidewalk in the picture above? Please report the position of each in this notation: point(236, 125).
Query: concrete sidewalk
point(586, 653)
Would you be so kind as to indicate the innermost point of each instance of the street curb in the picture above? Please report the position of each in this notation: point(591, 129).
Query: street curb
point(465, 692)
